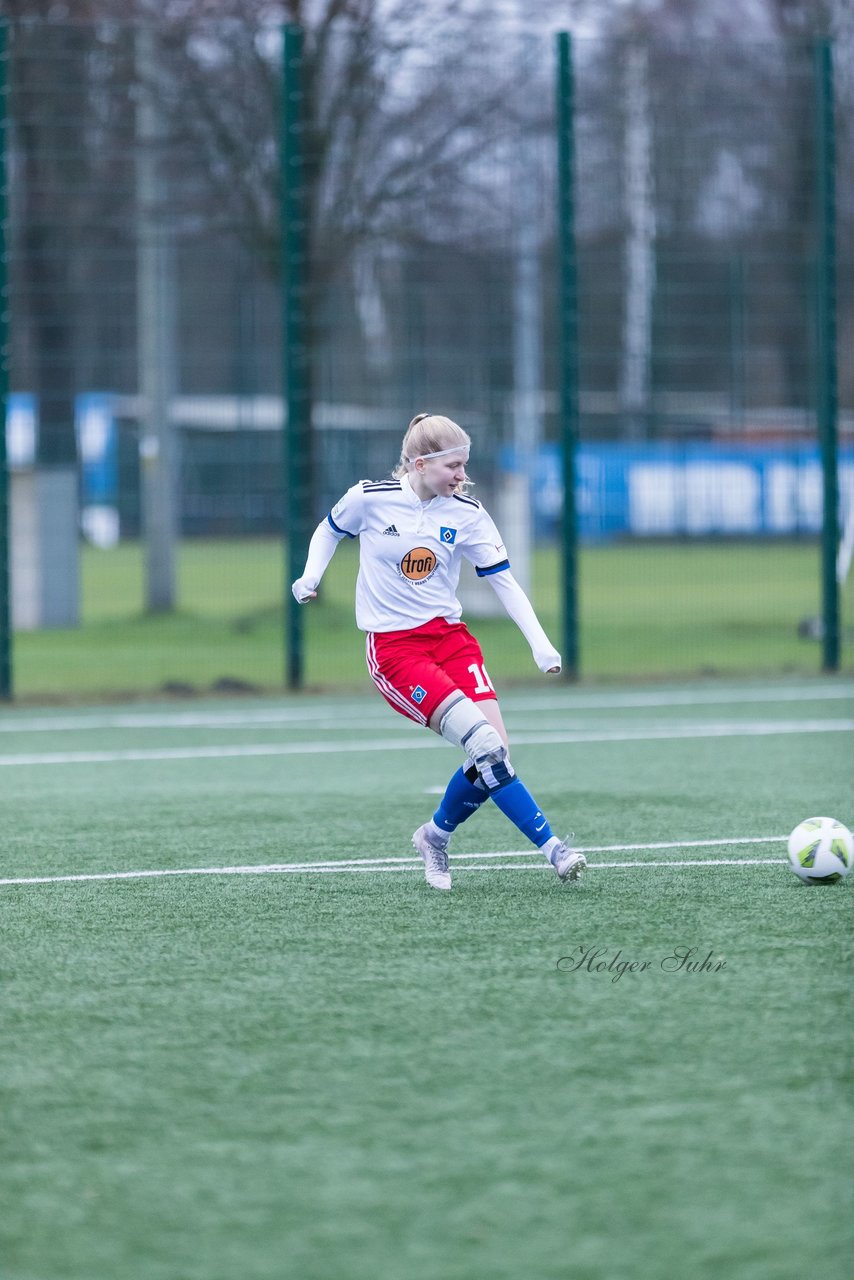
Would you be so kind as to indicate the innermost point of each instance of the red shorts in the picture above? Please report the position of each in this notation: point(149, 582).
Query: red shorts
point(416, 670)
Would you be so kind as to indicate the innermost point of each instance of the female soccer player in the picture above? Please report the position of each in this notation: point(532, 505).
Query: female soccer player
point(413, 530)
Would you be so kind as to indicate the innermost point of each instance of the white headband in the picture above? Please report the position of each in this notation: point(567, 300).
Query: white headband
point(440, 453)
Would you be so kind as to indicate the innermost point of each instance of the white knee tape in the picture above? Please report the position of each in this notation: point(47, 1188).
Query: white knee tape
point(484, 744)
point(459, 722)
point(464, 726)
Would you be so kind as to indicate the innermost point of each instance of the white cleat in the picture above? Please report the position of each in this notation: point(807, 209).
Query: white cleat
point(435, 857)
point(568, 864)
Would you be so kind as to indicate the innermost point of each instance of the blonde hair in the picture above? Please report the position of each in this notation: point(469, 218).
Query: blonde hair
point(429, 433)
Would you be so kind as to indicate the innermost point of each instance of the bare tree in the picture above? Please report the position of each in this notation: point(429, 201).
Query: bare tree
point(384, 168)
point(759, 186)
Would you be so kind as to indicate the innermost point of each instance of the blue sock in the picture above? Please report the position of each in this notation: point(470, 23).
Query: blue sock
point(461, 799)
point(516, 803)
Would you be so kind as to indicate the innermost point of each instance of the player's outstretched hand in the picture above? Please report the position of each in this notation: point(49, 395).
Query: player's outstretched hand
point(549, 661)
point(302, 592)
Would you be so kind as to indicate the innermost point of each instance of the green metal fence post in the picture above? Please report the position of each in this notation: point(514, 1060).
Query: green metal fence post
point(5, 548)
point(296, 354)
point(826, 381)
point(568, 348)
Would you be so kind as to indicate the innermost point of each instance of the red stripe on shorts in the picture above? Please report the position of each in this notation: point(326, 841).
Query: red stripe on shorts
point(388, 690)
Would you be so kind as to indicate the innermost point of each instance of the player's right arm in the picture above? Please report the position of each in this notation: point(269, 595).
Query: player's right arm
point(344, 521)
point(321, 549)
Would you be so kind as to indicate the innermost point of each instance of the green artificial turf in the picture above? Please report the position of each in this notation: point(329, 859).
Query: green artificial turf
point(646, 610)
point(347, 1074)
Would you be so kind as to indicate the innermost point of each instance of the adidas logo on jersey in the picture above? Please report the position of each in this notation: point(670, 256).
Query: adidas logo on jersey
point(392, 531)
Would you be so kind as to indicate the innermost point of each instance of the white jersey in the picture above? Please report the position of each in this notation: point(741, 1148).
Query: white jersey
point(410, 552)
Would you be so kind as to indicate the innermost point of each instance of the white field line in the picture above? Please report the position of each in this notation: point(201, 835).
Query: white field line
point(408, 863)
point(284, 869)
point(728, 729)
point(319, 717)
point(681, 697)
point(334, 714)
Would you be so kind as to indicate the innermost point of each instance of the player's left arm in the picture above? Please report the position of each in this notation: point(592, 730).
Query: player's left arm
point(486, 551)
point(520, 609)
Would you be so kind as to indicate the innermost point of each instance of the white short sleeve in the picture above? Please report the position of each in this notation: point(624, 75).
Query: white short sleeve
point(348, 514)
point(484, 547)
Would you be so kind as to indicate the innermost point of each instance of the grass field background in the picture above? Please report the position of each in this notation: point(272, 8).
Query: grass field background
point(646, 611)
point(236, 1070)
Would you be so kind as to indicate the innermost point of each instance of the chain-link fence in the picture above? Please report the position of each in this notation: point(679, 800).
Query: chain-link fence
point(147, 262)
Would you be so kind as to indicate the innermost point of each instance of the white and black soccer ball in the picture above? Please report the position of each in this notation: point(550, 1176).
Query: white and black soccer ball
point(821, 850)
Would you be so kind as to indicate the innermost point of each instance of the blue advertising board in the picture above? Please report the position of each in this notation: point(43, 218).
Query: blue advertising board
point(665, 489)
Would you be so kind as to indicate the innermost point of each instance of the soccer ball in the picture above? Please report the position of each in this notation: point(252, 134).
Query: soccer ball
point(821, 850)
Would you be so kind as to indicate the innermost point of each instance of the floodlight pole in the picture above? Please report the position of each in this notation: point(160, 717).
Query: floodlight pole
point(156, 345)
